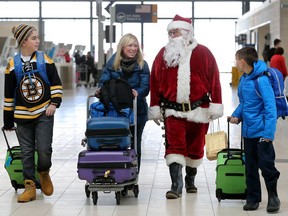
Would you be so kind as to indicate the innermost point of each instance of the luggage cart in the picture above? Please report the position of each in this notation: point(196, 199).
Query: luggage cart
point(82, 75)
point(106, 182)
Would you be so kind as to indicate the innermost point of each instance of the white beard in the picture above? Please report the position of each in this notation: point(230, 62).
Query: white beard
point(178, 52)
point(176, 48)
point(173, 51)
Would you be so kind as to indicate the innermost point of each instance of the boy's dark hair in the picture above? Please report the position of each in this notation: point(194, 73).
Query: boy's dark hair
point(248, 54)
point(279, 51)
point(277, 41)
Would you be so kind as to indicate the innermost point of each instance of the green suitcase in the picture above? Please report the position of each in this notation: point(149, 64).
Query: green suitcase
point(230, 173)
point(13, 165)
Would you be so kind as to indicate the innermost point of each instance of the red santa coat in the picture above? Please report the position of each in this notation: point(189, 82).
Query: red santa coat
point(196, 75)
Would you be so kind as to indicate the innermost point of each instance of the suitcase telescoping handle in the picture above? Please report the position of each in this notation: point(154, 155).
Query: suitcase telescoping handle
point(228, 141)
point(7, 143)
point(135, 123)
point(88, 103)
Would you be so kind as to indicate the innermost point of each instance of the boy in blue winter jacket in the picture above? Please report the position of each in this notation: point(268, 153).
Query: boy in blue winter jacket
point(259, 118)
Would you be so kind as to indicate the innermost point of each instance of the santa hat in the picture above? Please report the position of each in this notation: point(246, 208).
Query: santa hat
point(179, 22)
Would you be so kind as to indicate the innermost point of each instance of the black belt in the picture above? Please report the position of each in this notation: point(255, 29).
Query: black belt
point(183, 107)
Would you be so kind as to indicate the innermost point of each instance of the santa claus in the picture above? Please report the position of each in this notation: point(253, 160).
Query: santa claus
point(186, 94)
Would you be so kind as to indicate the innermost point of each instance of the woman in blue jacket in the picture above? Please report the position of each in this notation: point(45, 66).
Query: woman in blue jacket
point(258, 114)
point(128, 63)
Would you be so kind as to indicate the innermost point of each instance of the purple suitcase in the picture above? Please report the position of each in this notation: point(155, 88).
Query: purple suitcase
point(107, 167)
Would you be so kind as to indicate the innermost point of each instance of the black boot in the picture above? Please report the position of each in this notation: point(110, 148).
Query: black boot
point(250, 206)
point(273, 203)
point(189, 179)
point(273, 200)
point(177, 181)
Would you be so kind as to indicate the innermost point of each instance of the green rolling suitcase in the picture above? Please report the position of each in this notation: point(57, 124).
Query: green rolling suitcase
point(230, 173)
point(13, 165)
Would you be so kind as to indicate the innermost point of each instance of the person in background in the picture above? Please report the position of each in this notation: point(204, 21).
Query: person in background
point(67, 57)
point(128, 62)
point(31, 104)
point(90, 63)
point(277, 43)
point(259, 117)
point(186, 92)
point(265, 52)
point(77, 57)
point(81, 73)
point(278, 62)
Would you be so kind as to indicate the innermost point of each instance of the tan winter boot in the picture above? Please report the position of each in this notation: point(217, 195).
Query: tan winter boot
point(46, 183)
point(30, 192)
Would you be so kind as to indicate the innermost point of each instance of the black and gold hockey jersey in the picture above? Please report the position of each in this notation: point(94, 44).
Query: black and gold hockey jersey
point(25, 102)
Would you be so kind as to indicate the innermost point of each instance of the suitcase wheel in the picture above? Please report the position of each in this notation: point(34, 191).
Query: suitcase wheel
point(15, 185)
point(95, 197)
point(219, 194)
point(118, 197)
point(124, 192)
point(136, 190)
point(87, 191)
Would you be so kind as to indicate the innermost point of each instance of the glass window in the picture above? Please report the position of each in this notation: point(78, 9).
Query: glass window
point(15, 9)
point(218, 9)
point(65, 9)
point(62, 32)
point(254, 5)
point(122, 29)
point(155, 37)
point(220, 41)
point(165, 9)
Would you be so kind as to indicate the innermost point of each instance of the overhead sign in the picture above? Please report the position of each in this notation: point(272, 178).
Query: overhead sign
point(135, 13)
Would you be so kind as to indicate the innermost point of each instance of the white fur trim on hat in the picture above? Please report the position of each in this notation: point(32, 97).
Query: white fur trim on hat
point(175, 158)
point(179, 25)
point(154, 113)
point(179, 22)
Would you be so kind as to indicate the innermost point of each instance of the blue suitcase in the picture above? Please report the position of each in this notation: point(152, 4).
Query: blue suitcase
point(108, 133)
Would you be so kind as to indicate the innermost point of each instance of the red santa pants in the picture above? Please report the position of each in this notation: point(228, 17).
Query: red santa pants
point(185, 138)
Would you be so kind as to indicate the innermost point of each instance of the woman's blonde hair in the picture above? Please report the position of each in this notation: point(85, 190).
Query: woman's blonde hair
point(125, 41)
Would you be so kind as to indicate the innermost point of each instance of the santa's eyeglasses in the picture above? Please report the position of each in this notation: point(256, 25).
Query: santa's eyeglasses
point(174, 32)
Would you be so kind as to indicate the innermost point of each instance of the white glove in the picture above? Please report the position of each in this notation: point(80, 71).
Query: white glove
point(213, 117)
point(158, 121)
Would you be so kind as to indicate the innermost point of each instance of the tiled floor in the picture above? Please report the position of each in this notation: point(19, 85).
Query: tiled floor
point(69, 198)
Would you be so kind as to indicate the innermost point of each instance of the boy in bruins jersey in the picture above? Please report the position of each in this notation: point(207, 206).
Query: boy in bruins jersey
point(31, 99)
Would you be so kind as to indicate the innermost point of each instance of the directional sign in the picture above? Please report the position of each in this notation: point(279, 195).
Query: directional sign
point(135, 13)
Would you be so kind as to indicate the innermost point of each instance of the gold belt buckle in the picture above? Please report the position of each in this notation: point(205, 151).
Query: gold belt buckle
point(183, 107)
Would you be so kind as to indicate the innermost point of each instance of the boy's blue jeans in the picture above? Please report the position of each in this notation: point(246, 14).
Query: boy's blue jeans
point(36, 136)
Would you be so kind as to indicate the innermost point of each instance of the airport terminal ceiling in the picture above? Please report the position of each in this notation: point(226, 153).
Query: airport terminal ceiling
point(135, 1)
point(244, 1)
point(245, 4)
